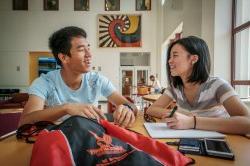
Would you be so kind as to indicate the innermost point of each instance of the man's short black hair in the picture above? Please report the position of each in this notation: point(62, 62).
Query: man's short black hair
point(201, 69)
point(60, 41)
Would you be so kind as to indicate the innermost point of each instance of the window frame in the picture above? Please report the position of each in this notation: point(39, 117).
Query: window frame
point(235, 30)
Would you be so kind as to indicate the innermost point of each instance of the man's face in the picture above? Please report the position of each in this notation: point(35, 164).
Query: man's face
point(80, 59)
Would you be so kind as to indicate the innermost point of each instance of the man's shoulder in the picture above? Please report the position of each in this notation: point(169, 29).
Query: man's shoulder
point(94, 76)
point(47, 79)
point(51, 75)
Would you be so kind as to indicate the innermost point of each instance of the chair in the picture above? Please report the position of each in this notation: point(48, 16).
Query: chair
point(112, 107)
point(17, 100)
point(9, 122)
point(142, 90)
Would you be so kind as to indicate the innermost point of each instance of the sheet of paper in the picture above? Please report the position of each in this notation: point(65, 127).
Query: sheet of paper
point(160, 130)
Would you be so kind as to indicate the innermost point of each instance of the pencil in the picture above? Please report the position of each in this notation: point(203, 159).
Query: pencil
point(172, 112)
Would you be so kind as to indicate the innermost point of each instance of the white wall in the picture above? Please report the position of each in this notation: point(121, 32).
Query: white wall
point(207, 27)
point(209, 19)
point(173, 13)
point(187, 11)
point(24, 31)
point(222, 38)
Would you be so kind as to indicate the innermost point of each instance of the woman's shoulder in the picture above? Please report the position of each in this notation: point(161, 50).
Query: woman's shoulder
point(216, 80)
point(215, 83)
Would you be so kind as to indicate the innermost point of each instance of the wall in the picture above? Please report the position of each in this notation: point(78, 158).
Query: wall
point(210, 20)
point(207, 27)
point(187, 11)
point(24, 31)
point(222, 38)
point(173, 13)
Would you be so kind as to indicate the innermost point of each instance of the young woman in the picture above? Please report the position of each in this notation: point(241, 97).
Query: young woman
point(204, 102)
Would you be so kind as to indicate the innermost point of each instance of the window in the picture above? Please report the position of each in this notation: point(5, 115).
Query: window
point(240, 58)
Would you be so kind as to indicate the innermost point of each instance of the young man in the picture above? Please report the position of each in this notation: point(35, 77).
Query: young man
point(74, 89)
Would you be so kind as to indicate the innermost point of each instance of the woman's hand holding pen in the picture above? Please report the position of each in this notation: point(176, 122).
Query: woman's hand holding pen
point(178, 121)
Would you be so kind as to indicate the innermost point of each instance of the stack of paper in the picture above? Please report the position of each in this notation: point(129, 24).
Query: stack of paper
point(160, 130)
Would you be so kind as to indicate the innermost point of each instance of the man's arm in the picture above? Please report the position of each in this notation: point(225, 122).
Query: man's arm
point(123, 115)
point(34, 111)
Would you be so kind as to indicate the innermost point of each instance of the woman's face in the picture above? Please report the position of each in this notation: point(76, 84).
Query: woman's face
point(180, 62)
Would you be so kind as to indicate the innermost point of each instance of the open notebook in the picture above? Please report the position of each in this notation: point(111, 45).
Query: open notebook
point(160, 130)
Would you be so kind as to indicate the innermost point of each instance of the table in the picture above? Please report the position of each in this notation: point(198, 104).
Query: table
point(151, 97)
point(10, 110)
point(14, 152)
point(240, 146)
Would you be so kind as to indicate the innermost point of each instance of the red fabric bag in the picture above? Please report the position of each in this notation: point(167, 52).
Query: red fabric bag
point(80, 141)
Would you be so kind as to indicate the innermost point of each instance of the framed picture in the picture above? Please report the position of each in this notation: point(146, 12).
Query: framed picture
point(81, 5)
point(20, 4)
point(119, 30)
point(142, 5)
point(112, 5)
point(50, 4)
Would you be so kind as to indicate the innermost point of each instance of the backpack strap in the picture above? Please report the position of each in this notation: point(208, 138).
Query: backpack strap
point(160, 151)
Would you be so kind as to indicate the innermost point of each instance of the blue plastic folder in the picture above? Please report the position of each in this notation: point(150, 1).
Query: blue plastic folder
point(160, 130)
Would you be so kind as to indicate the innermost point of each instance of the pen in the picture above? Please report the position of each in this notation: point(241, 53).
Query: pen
point(172, 112)
point(175, 143)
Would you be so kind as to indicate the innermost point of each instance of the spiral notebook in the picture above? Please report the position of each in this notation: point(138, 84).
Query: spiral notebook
point(160, 130)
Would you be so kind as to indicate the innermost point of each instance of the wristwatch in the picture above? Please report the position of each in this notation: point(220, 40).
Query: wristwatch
point(131, 106)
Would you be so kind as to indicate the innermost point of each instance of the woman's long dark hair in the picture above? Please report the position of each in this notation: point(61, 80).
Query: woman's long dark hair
point(201, 69)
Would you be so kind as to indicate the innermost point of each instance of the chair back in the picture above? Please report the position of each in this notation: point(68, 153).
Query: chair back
point(17, 100)
point(9, 122)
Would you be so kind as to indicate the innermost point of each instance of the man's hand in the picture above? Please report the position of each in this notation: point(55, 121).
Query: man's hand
point(85, 110)
point(123, 116)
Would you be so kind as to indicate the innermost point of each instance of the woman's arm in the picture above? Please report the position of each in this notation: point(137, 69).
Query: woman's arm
point(238, 123)
point(159, 107)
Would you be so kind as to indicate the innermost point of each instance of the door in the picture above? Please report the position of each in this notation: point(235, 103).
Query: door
point(127, 80)
point(131, 77)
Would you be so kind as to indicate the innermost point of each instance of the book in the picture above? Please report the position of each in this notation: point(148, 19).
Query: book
point(160, 130)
